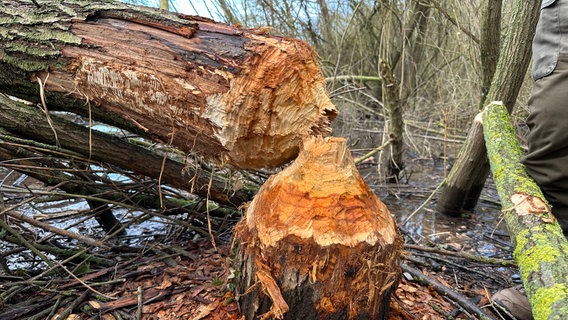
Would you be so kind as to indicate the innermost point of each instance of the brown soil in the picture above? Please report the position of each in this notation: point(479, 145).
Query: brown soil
point(196, 285)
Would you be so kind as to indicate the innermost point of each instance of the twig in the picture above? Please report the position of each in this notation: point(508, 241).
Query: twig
point(500, 262)
point(424, 203)
point(453, 20)
point(164, 158)
point(74, 304)
point(208, 214)
point(372, 152)
point(44, 104)
point(460, 267)
point(50, 228)
point(48, 313)
point(440, 311)
point(58, 252)
point(354, 78)
point(140, 303)
point(5, 226)
point(446, 292)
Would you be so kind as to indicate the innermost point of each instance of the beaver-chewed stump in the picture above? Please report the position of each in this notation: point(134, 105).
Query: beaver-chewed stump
point(317, 243)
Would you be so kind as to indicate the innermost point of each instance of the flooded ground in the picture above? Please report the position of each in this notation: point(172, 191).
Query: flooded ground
point(169, 246)
point(407, 201)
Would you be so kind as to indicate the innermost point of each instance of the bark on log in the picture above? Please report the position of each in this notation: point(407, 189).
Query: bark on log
point(316, 242)
point(471, 168)
point(29, 122)
point(540, 248)
point(239, 96)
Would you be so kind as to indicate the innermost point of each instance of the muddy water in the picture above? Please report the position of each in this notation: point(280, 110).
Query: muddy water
point(427, 159)
point(480, 232)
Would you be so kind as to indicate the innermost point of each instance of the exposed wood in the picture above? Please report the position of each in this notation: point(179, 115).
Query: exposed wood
point(463, 185)
point(540, 247)
point(226, 93)
point(16, 117)
point(317, 231)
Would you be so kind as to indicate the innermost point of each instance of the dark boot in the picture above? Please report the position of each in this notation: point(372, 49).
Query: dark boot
point(513, 302)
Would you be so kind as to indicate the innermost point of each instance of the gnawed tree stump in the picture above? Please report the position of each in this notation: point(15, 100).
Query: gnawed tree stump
point(317, 242)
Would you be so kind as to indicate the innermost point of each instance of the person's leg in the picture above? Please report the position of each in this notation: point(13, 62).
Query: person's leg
point(547, 158)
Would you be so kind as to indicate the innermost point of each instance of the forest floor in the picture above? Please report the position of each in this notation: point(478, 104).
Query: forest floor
point(186, 277)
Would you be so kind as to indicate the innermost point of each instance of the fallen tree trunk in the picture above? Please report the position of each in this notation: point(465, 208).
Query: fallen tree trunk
point(28, 122)
point(316, 242)
point(541, 250)
point(238, 96)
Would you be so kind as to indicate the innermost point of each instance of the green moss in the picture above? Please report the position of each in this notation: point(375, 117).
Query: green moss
point(529, 256)
point(521, 241)
point(32, 50)
point(5, 33)
point(62, 36)
point(48, 35)
point(26, 65)
point(530, 259)
point(544, 300)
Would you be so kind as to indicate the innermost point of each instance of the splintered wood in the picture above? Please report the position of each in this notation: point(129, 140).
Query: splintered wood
point(219, 91)
point(325, 238)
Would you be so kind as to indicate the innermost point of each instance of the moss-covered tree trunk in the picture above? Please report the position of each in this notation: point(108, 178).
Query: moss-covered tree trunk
point(540, 248)
point(467, 177)
point(239, 96)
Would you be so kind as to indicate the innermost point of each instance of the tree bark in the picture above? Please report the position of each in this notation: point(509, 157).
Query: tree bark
point(465, 181)
point(29, 122)
point(459, 182)
point(490, 42)
point(391, 100)
point(238, 96)
point(540, 248)
point(316, 243)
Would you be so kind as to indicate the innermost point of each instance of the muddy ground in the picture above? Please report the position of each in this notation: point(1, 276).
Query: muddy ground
point(175, 273)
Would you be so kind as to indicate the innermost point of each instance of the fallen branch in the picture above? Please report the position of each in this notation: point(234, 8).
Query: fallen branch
point(465, 255)
point(230, 94)
point(445, 291)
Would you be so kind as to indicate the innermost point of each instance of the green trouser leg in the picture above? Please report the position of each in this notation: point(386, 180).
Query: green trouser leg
point(547, 157)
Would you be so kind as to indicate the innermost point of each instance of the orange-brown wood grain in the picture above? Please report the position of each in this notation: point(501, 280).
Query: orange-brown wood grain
point(223, 92)
point(327, 240)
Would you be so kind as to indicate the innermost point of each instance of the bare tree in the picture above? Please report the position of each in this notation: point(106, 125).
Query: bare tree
point(465, 181)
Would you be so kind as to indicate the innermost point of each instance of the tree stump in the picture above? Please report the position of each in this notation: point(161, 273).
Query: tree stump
point(316, 242)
